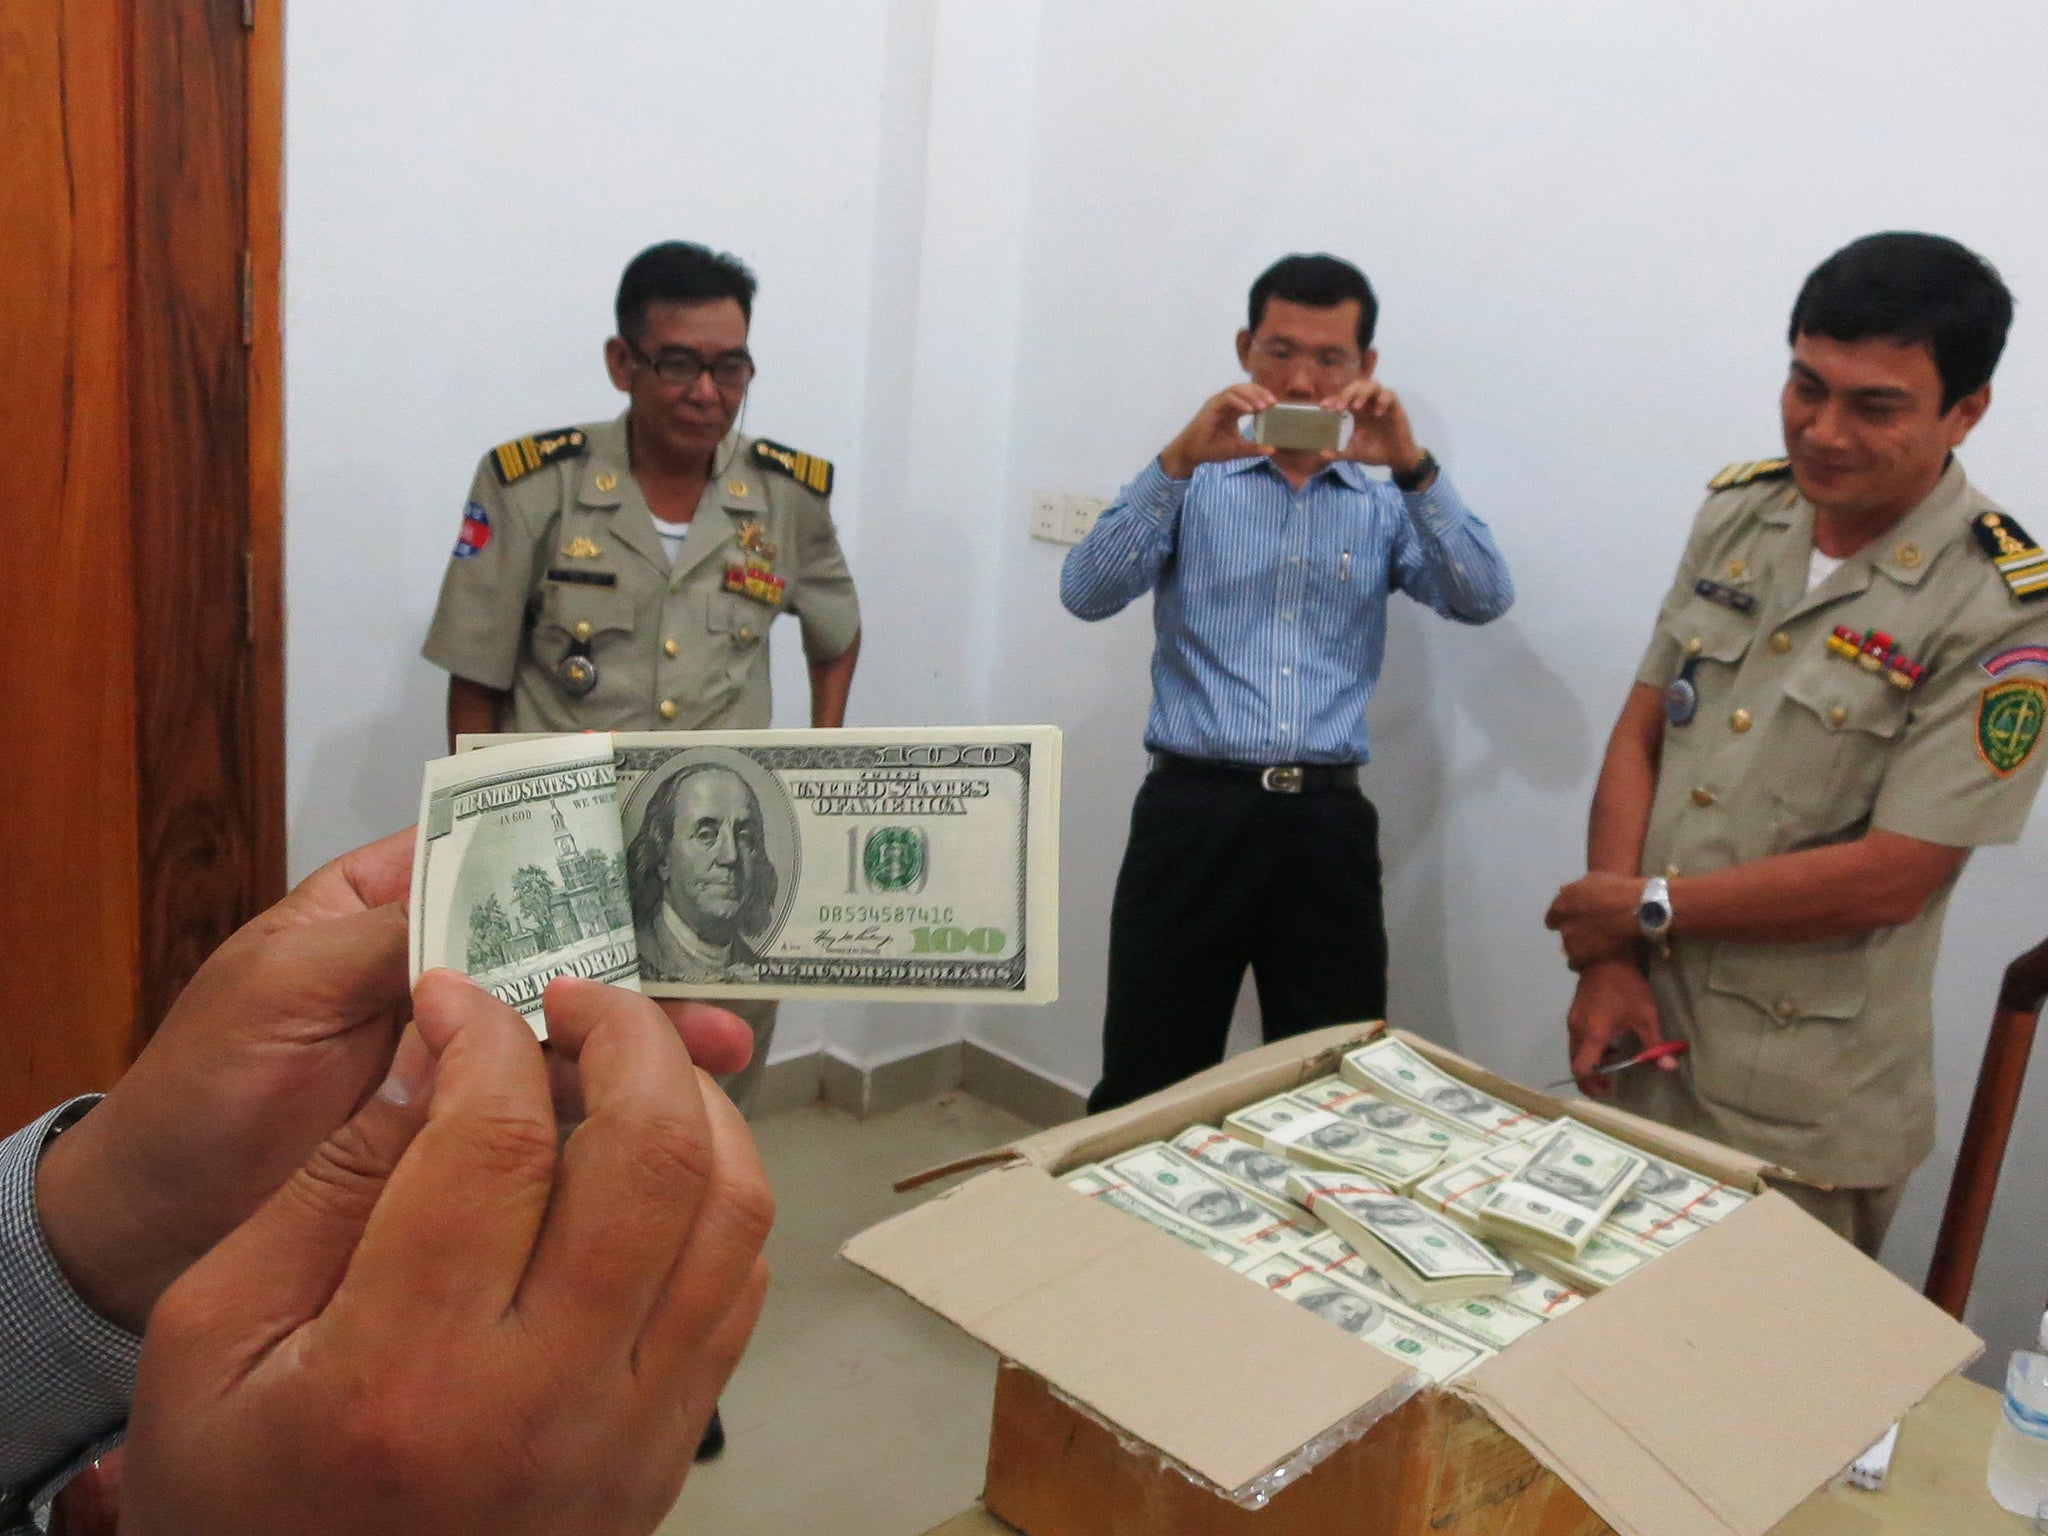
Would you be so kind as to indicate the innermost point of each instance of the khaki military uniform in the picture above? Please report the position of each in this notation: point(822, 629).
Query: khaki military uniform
point(559, 583)
point(560, 593)
point(1819, 1056)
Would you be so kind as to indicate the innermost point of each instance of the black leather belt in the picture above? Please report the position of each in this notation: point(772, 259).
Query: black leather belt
point(1275, 779)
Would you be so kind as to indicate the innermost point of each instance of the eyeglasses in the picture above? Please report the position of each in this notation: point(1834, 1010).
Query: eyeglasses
point(680, 369)
point(1328, 360)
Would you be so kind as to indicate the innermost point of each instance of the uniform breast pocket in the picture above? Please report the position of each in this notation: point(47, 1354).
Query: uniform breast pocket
point(1709, 642)
point(743, 621)
point(596, 616)
point(1778, 1039)
point(1836, 733)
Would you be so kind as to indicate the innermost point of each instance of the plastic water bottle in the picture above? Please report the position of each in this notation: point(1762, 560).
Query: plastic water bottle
point(2018, 1474)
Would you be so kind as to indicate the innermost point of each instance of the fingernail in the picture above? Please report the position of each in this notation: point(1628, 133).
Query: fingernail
point(412, 1068)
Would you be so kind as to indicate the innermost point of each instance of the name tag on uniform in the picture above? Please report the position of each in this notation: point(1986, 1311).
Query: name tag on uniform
point(1727, 597)
point(584, 578)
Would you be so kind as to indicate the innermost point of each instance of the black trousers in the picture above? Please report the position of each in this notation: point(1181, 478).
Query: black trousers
point(1220, 874)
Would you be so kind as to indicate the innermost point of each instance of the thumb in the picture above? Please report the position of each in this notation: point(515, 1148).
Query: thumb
point(279, 1269)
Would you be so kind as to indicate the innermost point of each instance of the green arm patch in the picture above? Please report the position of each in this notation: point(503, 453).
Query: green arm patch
point(523, 455)
point(2022, 562)
point(804, 468)
point(2009, 717)
point(1748, 471)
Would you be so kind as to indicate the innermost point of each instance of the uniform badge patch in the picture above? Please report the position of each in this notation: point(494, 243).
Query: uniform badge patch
point(2018, 656)
point(523, 455)
point(804, 468)
point(1750, 470)
point(2022, 562)
point(2009, 718)
point(476, 531)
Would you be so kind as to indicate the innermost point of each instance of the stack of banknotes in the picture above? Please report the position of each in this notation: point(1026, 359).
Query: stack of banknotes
point(1421, 1215)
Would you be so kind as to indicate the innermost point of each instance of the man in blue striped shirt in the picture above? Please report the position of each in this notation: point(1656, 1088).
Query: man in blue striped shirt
point(1251, 843)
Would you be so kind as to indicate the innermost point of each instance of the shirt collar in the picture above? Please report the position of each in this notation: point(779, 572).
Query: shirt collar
point(1349, 471)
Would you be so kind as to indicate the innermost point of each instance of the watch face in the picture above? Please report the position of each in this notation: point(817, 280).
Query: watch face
point(1653, 915)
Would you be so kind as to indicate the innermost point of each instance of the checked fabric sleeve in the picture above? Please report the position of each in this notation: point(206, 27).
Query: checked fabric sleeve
point(66, 1373)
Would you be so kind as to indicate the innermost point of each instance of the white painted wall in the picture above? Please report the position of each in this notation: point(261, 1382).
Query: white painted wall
point(464, 183)
point(1004, 246)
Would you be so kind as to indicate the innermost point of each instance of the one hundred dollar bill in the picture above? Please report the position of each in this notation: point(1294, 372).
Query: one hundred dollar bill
point(1432, 1352)
point(1493, 1321)
point(1388, 1066)
point(1297, 1129)
point(1559, 1197)
point(1648, 1222)
point(1260, 1174)
point(1607, 1259)
point(1097, 1184)
point(1538, 1293)
point(1677, 1189)
point(1459, 1189)
point(519, 874)
point(916, 865)
point(1197, 1198)
point(1422, 1255)
point(1391, 1118)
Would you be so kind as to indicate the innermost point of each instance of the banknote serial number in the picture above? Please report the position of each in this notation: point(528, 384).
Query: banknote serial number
point(870, 912)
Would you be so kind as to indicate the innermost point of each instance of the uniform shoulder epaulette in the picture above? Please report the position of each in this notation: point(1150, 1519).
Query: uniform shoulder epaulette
point(523, 455)
point(1748, 472)
point(806, 469)
point(2021, 561)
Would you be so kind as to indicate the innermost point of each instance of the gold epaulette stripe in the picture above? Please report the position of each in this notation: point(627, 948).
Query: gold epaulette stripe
point(1747, 470)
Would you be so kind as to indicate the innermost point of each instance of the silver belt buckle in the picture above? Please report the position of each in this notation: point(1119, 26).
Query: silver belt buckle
point(1282, 780)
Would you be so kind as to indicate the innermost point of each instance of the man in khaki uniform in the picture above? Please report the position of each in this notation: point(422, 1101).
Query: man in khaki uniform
point(1843, 695)
point(623, 575)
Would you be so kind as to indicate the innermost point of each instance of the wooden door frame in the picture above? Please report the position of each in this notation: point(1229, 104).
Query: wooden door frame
point(265, 237)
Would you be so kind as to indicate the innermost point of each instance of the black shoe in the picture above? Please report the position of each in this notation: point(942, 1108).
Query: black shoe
point(713, 1443)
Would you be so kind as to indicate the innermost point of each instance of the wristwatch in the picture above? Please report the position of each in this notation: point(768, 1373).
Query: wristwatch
point(1653, 911)
point(1417, 477)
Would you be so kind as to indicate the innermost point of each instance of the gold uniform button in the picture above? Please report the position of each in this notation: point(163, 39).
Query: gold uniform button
point(746, 633)
point(1781, 642)
point(669, 647)
point(1703, 796)
point(668, 709)
point(1740, 721)
point(1907, 554)
point(1785, 1008)
point(1737, 570)
point(1694, 646)
point(1670, 871)
point(1838, 716)
point(583, 631)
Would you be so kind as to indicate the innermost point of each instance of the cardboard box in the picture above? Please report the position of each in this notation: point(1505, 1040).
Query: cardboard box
point(1153, 1391)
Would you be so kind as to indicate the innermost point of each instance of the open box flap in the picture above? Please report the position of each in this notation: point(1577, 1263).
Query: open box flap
point(1767, 1356)
point(1223, 1378)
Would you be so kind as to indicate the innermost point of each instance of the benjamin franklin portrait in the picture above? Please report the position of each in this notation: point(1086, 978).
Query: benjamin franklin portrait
point(702, 883)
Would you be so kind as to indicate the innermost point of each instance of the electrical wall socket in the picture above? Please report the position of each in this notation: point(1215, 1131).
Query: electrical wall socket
point(1049, 517)
point(1061, 517)
point(1081, 514)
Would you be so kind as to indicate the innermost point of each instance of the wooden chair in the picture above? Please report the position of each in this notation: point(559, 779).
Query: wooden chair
point(1999, 1081)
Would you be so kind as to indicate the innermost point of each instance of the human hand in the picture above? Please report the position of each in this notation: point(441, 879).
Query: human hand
point(272, 1045)
point(1380, 433)
point(1613, 1002)
point(1595, 917)
point(1213, 435)
point(444, 1324)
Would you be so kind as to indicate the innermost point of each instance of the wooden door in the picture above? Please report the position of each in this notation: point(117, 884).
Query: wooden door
point(141, 719)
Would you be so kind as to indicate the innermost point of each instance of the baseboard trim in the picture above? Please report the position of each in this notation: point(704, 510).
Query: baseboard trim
point(1008, 1084)
point(884, 1086)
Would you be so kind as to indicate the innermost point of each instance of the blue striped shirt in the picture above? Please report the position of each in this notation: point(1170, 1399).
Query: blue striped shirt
point(1271, 618)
